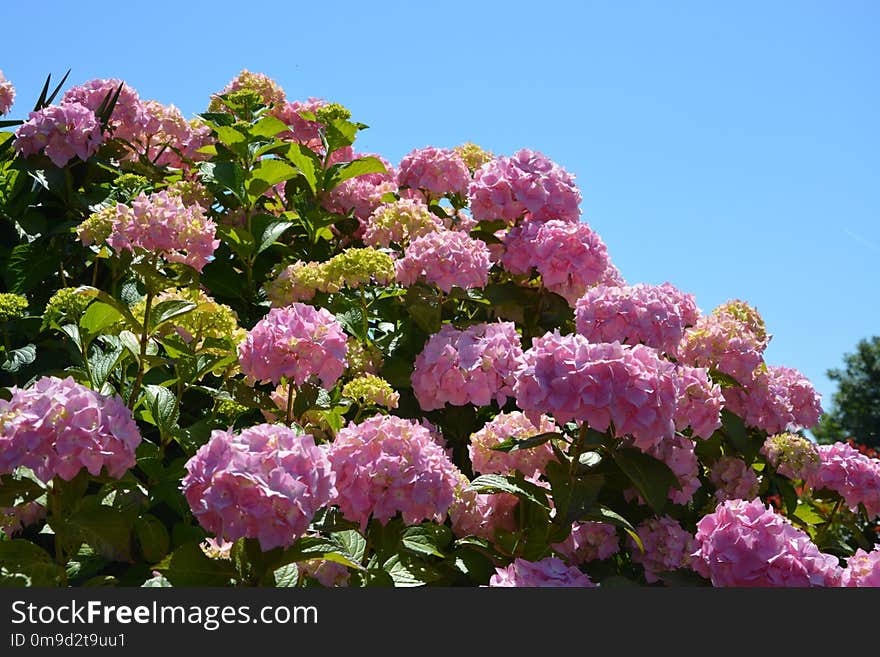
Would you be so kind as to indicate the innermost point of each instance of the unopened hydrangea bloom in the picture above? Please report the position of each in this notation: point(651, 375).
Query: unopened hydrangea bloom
point(62, 132)
point(399, 222)
point(12, 306)
point(325, 572)
point(850, 474)
point(299, 282)
point(160, 224)
point(667, 547)
point(57, 427)
point(528, 183)
point(370, 390)
point(15, 519)
point(362, 195)
point(548, 572)
point(699, 402)
point(745, 544)
point(470, 366)
point(776, 399)
point(356, 267)
point(169, 139)
point(531, 462)
point(482, 514)
point(295, 342)
point(862, 569)
point(268, 90)
point(363, 359)
point(473, 156)
point(792, 455)
point(97, 227)
point(447, 259)
point(678, 453)
point(7, 95)
point(191, 192)
point(731, 339)
point(589, 541)
point(654, 315)
point(208, 320)
point(600, 384)
point(436, 171)
point(129, 117)
point(387, 465)
point(733, 479)
point(266, 483)
point(570, 257)
point(66, 306)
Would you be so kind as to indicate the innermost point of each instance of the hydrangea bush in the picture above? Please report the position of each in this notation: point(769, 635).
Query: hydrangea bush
point(238, 351)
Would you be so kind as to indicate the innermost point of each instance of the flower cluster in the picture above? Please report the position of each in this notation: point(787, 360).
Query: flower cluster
point(654, 315)
point(600, 384)
point(7, 95)
point(667, 547)
point(531, 462)
point(744, 543)
point(129, 118)
point(295, 342)
point(862, 569)
point(793, 456)
point(266, 483)
point(12, 306)
point(169, 139)
point(850, 474)
point(549, 572)
point(57, 427)
point(435, 171)
point(387, 465)
point(399, 222)
point(482, 514)
point(61, 132)
point(776, 399)
point(160, 224)
point(679, 454)
point(528, 183)
point(699, 402)
point(447, 259)
point(265, 87)
point(362, 195)
point(589, 541)
point(474, 365)
point(370, 390)
point(208, 320)
point(570, 257)
point(66, 306)
point(733, 479)
point(473, 156)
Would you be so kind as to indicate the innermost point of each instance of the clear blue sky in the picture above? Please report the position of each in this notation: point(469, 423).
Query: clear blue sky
point(729, 148)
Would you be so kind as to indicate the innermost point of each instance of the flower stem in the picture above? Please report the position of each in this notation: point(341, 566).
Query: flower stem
point(145, 336)
point(290, 403)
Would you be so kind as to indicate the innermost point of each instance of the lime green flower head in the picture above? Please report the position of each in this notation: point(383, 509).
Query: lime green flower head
point(66, 306)
point(370, 390)
point(474, 157)
point(12, 306)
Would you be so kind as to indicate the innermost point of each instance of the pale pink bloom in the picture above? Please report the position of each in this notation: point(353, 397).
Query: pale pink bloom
point(62, 132)
point(548, 572)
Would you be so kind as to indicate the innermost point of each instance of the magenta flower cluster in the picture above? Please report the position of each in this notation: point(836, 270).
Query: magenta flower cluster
point(548, 572)
point(446, 258)
point(589, 541)
point(474, 365)
point(733, 479)
point(62, 132)
point(266, 483)
point(776, 399)
point(849, 473)
point(435, 171)
point(7, 95)
point(724, 342)
point(699, 402)
point(527, 184)
point(129, 118)
point(296, 343)
point(482, 514)
point(362, 195)
point(668, 546)
point(862, 569)
point(747, 544)
point(57, 427)
point(531, 462)
point(387, 465)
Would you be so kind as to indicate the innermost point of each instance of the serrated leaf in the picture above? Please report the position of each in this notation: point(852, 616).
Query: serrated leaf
point(106, 529)
point(306, 162)
point(516, 444)
point(165, 311)
point(651, 477)
point(406, 571)
point(98, 316)
point(23, 557)
point(359, 167)
point(286, 576)
point(267, 229)
point(267, 173)
point(354, 544)
point(18, 488)
point(118, 305)
point(318, 547)
point(16, 359)
point(495, 483)
point(426, 540)
point(268, 126)
point(153, 537)
point(163, 406)
point(189, 566)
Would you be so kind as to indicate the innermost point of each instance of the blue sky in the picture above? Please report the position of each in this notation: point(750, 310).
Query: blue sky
point(729, 148)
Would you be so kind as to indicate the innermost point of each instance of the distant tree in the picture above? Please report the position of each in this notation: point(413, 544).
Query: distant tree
point(855, 407)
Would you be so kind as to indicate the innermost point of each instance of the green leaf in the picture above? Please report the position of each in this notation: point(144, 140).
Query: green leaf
point(15, 359)
point(165, 311)
point(153, 537)
point(29, 265)
point(723, 380)
point(189, 566)
point(18, 488)
point(102, 363)
point(408, 571)
point(118, 305)
point(284, 577)
point(98, 316)
point(227, 175)
point(306, 162)
point(651, 477)
point(495, 483)
point(355, 545)
point(516, 444)
point(268, 126)
point(318, 547)
point(267, 173)
point(163, 407)
point(358, 167)
point(157, 581)
point(20, 556)
point(734, 430)
point(602, 513)
point(267, 229)
point(427, 539)
point(106, 529)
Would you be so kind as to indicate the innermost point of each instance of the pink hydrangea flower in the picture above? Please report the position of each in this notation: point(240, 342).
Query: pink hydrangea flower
point(531, 462)
point(62, 132)
point(160, 223)
point(667, 547)
point(295, 342)
point(746, 544)
point(400, 222)
point(678, 453)
point(57, 427)
point(589, 541)
point(362, 195)
point(733, 479)
point(776, 399)
point(15, 519)
point(266, 483)
point(129, 117)
point(447, 259)
point(269, 91)
point(387, 465)
point(482, 515)
point(600, 384)
point(302, 131)
point(325, 572)
point(570, 257)
point(170, 140)
point(793, 456)
point(548, 572)
point(862, 569)
point(7, 95)
point(472, 366)
point(654, 315)
point(528, 183)
point(436, 171)
point(850, 474)
point(699, 402)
